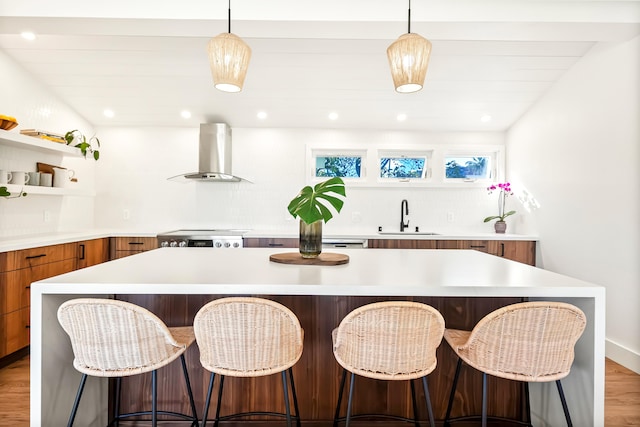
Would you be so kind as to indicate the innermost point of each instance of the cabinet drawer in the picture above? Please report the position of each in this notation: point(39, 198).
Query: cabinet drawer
point(15, 286)
point(26, 258)
point(135, 243)
point(16, 331)
point(401, 244)
point(478, 245)
point(259, 242)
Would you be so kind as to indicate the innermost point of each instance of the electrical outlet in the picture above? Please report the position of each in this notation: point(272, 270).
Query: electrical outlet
point(46, 216)
point(126, 214)
point(450, 217)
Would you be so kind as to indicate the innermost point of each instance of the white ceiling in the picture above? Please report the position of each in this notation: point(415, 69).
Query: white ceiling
point(146, 60)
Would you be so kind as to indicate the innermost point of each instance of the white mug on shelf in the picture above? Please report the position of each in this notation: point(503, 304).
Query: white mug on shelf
point(5, 177)
point(61, 176)
point(34, 178)
point(46, 179)
point(19, 178)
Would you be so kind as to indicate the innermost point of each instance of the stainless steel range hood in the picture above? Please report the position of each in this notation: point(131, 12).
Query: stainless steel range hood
point(214, 161)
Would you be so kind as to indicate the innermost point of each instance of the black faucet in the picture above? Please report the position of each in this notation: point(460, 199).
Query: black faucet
point(404, 210)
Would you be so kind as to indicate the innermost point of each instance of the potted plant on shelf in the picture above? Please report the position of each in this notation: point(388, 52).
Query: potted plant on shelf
point(82, 143)
point(5, 193)
point(314, 206)
point(504, 190)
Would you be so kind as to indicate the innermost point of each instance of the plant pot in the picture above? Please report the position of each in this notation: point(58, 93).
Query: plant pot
point(310, 239)
point(500, 227)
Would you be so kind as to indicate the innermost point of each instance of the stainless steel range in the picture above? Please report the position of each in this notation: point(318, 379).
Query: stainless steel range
point(201, 239)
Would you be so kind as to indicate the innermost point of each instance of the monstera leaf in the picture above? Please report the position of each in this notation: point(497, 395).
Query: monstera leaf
point(313, 204)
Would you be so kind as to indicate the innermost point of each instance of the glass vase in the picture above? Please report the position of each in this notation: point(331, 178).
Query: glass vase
point(310, 239)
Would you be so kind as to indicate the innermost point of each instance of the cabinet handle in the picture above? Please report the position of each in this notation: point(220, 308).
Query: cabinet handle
point(35, 256)
point(501, 249)
point(81, 251)
point(28, 287)
point(27, 327)
point(136, 243)
point(274, 245)
point(477, 246)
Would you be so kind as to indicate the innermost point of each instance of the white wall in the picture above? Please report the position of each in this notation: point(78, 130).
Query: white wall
point(577, 150)
point(35, 106)
point(132, 176)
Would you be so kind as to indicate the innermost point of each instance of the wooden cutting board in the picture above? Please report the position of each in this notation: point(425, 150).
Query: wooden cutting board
point(325, 258)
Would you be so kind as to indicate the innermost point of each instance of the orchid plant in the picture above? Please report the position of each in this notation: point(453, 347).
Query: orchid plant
point(504, 190)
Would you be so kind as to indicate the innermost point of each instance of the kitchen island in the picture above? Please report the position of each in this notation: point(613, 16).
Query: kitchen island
point(172, 275)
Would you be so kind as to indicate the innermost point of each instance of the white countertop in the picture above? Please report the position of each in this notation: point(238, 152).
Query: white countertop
point(14, 243)
point(380, 272)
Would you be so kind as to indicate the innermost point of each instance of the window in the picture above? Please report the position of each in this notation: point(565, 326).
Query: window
point(342, 166)
point(403, 165)
point(472, 167)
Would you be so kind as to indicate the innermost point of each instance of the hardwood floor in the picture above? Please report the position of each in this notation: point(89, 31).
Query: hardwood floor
point(622, 395)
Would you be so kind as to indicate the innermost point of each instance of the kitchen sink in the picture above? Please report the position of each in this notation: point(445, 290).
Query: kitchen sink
point(408, 233)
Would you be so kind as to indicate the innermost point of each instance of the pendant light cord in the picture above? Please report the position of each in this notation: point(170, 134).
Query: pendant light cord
point(229, 17)
point(408, 19)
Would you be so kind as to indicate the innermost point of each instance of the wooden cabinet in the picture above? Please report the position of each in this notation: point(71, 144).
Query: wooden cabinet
point(92, 252)
point(401, 244)
point(259, 242)
point(516, 250)
point(121, 247)
point(478, 245)
point(18, 269)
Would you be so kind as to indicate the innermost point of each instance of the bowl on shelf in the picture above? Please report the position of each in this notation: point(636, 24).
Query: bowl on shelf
point(7, 123)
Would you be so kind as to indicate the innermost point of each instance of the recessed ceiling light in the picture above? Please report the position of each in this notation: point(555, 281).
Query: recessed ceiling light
point(485, 119)
point(262, 115)
point(108, 113)
point(333, 116)
point(401, 117)
point(185, 114)
point(28, 35)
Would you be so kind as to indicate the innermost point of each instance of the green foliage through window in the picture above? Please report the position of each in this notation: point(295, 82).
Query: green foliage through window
point(338, 166)
point(467, 167)
point(402, 167)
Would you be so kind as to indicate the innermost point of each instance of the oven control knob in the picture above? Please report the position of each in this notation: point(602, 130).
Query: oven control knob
point(218, 245)
point(164, 244)
point(173, 244)
point(182, 244)
point(236, 244)
point(227, 244)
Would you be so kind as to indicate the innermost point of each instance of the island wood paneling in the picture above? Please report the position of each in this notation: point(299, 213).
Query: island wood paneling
point(317, 374)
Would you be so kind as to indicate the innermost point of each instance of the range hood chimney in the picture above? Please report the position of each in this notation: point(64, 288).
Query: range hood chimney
point(214, 161)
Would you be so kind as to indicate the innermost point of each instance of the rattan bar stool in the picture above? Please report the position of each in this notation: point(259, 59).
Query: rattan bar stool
point(116, 339)
point(248, 337)
point(530, 342)
point(394, 340)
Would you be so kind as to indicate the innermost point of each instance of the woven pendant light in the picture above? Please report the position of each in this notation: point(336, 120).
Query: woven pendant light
point(409, 60)
point(229, 59)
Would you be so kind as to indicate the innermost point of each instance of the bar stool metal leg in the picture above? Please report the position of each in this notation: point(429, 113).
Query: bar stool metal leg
point(415, 404)
point(427, 397)
point(154, 398)
point(295, 398)
point(484, 399)
point(212, 377)
point(189, 391)
point(219, 402)
point(116, 409)
point(453, 392)
point(76, 402)
point(340, 393)
point(565, 408)
point(351, 387)
point(285, 389)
